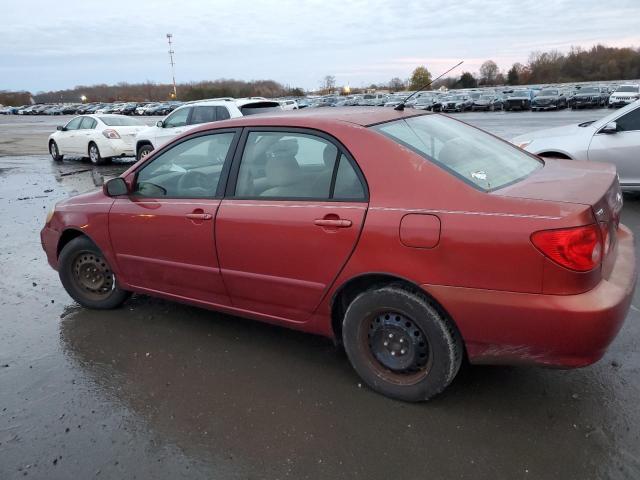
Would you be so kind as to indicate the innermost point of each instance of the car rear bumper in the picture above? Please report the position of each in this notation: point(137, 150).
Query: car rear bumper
point(118, 147)
point(554, 330)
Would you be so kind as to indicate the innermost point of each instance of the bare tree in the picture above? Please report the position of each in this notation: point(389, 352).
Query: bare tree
point(396, 84)
point(488, 73)
point(328, 84)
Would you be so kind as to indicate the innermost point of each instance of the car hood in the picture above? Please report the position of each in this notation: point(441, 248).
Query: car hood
point(95, 196)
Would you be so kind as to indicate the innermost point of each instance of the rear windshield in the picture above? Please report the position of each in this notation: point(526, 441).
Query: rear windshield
point(120, 121)
point(470, 154)
point(260, 107)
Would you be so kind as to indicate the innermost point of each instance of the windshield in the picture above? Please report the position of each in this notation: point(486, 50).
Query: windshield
point(120, 121)
point(520, 93)
point(486, 97)
point(589, 90)
point(545, 93)
point(470, 154)
point(628, 88)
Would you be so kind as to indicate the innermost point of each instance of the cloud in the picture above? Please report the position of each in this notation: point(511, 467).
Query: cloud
point(294, 42)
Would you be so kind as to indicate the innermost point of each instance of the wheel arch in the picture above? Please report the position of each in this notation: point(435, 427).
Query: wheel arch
point(68, 235)
point(349, 289)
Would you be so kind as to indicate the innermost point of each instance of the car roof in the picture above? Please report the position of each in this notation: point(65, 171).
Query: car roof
point(362, 116)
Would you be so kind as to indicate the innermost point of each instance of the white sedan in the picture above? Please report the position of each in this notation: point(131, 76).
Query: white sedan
point(99, 137)
point(614, 139)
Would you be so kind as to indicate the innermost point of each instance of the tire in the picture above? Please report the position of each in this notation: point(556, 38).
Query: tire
point(54, 152)
point(432, 352)
point(87, 277)
point(94, 155)
point(144, 151)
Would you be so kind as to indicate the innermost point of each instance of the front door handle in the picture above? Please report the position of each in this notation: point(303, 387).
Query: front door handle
point(199, 216)
point(332, 223)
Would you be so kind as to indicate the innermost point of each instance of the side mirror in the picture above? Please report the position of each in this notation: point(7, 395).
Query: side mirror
point(60, 127)
point(160, 124)
point(609, 128)
point(115, 187)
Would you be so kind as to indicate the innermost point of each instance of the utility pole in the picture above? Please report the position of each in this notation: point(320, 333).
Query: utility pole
point(173, 72)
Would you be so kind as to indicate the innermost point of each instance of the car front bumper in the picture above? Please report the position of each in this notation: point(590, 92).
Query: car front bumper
point(49, 239)
point(565, 331)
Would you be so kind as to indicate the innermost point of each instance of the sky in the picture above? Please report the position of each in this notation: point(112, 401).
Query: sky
point(50, 45)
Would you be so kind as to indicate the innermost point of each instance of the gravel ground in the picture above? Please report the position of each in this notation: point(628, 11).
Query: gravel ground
point(161, 390)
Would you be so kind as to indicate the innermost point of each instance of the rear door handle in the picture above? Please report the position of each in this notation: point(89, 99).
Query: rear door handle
point(199, 216)
point(335, 223)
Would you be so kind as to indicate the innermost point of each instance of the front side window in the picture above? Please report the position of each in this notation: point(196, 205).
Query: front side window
point(468, 153)
point(191, 169)
point(74, 124)
point(284, 165)
point(630, 121)
point(177, 118)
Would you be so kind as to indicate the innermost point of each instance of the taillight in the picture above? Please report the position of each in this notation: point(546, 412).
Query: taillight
point(109, 133)
point(578, 248)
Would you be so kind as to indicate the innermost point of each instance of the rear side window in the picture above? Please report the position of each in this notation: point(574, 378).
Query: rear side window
point(203, 115)
point(260, 107)
point(288, 165)
point(470, 154)
point(88, 123)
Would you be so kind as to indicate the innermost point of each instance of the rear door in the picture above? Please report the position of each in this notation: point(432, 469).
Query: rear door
point(621, 148)
point(293, 212)
point(163, 233)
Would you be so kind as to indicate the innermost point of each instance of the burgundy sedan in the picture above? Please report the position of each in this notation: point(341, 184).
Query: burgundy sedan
point(411, 238)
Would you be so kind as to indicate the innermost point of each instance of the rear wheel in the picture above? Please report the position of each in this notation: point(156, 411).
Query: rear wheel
point(94, 155)
point(400, 345)
point(87, 277)
point(55, 153)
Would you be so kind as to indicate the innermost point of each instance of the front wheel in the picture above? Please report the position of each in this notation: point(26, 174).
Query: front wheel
point(87, 277)
point(400, 345)
point(55, 153)
point(143, 151)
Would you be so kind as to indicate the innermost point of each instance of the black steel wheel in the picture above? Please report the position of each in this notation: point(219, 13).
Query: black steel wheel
point(399, 344)
point(87, 276)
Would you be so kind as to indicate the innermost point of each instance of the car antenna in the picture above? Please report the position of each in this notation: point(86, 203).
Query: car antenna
point(400, 106)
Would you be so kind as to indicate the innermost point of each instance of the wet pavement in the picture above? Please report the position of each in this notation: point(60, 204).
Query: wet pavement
point(161, 390)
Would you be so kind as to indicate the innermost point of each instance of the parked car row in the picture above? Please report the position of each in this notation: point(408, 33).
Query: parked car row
point(103, 136)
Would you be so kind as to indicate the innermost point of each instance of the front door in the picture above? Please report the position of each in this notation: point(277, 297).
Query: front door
point(289, 222)
point(163, 233)
point(66, 138)
point(621, 148)
point(175, 124)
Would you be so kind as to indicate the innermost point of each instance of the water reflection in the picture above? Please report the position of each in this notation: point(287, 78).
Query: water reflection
point(271, 402)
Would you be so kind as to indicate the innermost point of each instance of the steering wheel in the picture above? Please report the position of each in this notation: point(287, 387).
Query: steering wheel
point(192, 180)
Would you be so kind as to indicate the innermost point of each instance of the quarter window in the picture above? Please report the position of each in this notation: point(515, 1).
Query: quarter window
point(177, 118)
point(191, 169)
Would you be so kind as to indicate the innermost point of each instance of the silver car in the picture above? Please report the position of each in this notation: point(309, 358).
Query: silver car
point(614, 139)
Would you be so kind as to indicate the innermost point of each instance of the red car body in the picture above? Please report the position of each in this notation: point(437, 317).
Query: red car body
point(287, 262)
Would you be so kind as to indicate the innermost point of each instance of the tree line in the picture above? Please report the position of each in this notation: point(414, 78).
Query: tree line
point(599, 63)
point(153, 92)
